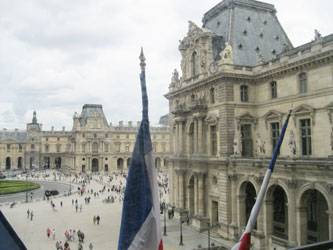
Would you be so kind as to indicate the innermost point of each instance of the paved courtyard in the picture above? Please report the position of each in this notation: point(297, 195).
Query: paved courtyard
point(102, 236)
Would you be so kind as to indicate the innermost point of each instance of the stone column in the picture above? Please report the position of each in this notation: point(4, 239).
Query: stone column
point(233, 179)
point(292, 216)
point(301, 225)
point(241, 211)
point(330, 225)
point(268, 218)
point(200, 135)
point(177, 138)
point(201, 194)
point(195, 194)
point(176, 191)
point(181, 189)
point(181, 147)
point(195, 136)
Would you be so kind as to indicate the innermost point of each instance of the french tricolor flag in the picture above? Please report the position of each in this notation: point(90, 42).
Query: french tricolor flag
point(140, 223)
point(245, 241)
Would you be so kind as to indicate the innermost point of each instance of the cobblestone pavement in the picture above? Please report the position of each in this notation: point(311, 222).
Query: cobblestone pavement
point(103, 236)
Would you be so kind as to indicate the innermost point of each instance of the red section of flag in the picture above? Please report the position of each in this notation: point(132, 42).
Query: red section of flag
point(160, 247)
point(246, 242)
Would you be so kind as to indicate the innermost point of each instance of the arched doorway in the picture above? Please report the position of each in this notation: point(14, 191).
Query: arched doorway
point(157, 163)
point(46, 163)
point(247, 198)
point(19, 163)
point(120, 164)
point(106, 168)
point(314, 216)
point(277, 212)
point(8, 163)
point(165, 163)
point(94, 165)
point(32, 162)
point(57, 162)
point(128, 162)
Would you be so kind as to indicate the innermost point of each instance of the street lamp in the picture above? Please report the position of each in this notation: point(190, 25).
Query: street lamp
point(165, 210)
point(26, 183)
point(181, 231)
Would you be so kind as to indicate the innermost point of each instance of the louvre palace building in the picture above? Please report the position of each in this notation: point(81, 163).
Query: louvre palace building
point(93, 145)
point(240, 76)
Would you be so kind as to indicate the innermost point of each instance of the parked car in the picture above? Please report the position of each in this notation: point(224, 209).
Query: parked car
point(51, 192)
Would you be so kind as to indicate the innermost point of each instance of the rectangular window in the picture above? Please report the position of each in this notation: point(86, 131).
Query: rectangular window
point(275, 134)
point(163, 147)
point(46, 148)
point(47, 139)
point(127, 136)
point(58, 148)
point(244, 93)
point(306, 136)
point(32, 147)
point(8, 147)
point(127, 148)
point(303, 83)
point(68, 147)
point(213, 138)
point(58, 138)
point(83, 148)
point(247, 143)
point(118, 148)
point(20, 147)
point(273, 89)
point(106, 147)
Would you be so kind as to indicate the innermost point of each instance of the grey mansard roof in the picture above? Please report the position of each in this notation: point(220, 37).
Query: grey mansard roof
point(250, 27)
point(90, 110)
point(16, 136)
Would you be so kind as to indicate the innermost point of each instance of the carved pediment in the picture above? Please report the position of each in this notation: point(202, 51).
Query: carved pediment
point(211, 119)
point(246, 118)
point(273, 115)
point(302, 110)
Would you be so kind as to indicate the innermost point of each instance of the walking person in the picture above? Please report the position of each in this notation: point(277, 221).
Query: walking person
point(98, 219)
point(31, 215)
point(91, 246)
point(81, 208)
point(48, 232)
point(94, 219)
point(28, 213)
point(53, 233)
point(80, 247)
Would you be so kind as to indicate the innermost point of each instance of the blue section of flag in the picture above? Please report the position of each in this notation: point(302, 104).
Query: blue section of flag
point(138, 196)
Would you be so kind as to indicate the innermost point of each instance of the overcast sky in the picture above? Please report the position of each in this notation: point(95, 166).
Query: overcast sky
point(57, 55)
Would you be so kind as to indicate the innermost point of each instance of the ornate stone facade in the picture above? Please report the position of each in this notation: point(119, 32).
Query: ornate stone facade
point(225, 120)
point(92, 144)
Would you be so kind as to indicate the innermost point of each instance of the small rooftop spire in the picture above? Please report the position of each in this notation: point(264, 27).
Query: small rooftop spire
point(142, 60)
point(34, 119)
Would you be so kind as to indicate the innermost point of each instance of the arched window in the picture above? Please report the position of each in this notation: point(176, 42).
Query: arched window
point(95, 148)
point(212, 95)
point(194, 64)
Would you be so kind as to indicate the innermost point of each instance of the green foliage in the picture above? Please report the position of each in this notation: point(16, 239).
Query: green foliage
point(11, 187)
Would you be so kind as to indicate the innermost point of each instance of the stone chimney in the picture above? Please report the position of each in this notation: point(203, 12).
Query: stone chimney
point(130, 124)
point(16, 130)
point(4, 130)
point(52, 129)
point(63, 129)
point(41, 127)
point(138, 124)
point(121, 124)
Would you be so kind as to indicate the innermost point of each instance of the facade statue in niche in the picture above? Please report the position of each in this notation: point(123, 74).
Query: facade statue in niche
point(175, 79)
point(260, 145)
point(292, 143)
point(237, 150)
point(226, 54)
point(76, 115)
